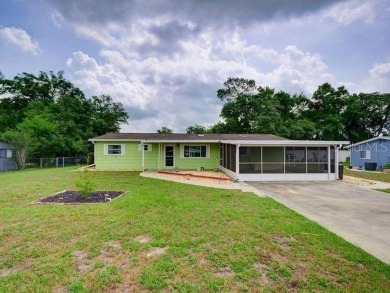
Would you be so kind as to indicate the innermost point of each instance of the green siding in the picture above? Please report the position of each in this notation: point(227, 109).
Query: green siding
point(132, 159)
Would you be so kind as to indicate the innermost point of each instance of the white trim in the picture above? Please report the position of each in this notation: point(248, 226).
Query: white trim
point(369, 140)
point(106, 149)
point(258, 142)
point(285, 142)
point(164, 154)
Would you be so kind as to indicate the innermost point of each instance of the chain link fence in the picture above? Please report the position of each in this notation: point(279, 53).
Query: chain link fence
point(56, 162)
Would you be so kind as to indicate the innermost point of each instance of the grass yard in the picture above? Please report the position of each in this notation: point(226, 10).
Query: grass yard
point(384, 177)
point(165, 236)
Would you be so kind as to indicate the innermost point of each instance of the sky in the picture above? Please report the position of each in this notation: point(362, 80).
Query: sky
point(164, 60)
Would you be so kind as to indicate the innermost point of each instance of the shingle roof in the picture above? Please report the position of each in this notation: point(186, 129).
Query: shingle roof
point(185, 136)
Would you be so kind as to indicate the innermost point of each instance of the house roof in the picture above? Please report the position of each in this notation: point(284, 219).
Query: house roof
point(238, 139)
point(184, 137)
point(369, 140)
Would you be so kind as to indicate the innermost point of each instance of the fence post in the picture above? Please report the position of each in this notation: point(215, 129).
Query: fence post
point(41, 162)
point(56, 161)
point(63, 161)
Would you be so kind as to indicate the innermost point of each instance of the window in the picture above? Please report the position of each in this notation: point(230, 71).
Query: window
point(195, 151)
point(114, 149)
point(147, 147)
point(3, 153)
point(365, 154)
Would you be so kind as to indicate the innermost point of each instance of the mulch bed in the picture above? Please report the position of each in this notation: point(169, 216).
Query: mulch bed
point(69, 196)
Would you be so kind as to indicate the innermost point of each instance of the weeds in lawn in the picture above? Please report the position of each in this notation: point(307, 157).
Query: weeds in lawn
point(208, 240)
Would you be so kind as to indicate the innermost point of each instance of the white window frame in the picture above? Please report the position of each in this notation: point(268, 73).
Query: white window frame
point(147, 147)
point(9, 154)
point(106, 146)
point(182, 146)
point(367, 154)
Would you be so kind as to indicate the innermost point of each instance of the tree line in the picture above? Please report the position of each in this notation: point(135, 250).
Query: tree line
point(47, 116)
point(331, 113)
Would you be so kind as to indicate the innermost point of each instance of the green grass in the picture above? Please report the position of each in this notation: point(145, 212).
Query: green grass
point(384, 177)
point(218, 240)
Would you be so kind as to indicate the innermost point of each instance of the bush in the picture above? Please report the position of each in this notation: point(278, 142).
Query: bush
point(387, 166)
point(85, 183)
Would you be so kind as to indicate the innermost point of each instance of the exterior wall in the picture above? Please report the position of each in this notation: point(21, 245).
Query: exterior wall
point(380, 153)
point(153, 160)
point(6, 163)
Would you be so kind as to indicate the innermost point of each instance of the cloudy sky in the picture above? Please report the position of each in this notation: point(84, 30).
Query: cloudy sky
point(164, 60)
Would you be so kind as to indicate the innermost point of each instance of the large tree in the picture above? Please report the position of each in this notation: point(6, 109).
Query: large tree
point(56, 113)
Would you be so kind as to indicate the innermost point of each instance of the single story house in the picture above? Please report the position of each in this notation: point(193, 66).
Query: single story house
point(245, 157)
point(6, 162)
point(371, 154)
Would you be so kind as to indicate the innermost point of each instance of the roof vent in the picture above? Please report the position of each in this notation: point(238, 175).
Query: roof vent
point(243, 135)
point(200, 135)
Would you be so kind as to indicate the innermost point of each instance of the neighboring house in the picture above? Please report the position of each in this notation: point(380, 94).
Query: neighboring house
point(246, 157)
point(371, 154)
point(6, 162)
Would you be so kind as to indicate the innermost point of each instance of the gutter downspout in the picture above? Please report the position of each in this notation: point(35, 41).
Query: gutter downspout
point(336, 159)
point(238, 161)
point(143, 155)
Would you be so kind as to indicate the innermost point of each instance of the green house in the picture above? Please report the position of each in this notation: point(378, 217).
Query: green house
point(246, 157)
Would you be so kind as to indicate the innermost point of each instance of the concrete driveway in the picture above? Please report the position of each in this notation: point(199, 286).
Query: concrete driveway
point(358, 214)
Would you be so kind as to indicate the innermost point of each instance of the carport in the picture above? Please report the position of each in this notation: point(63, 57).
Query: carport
point(286, 160)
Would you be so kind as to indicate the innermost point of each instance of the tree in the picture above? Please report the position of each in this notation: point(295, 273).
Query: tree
point(252, 109)
point(197, 129)
point(56, 113)
point(164, 130)
point(22, 147)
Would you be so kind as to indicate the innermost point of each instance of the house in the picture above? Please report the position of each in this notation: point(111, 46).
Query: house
point(371, 154)
point(246, 157)
point(6, 162)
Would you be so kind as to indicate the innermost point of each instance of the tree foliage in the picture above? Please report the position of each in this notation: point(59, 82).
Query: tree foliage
point(23, 146)
point(55, 113)
point(197, 129)
point(164, 130)
point(331, 113)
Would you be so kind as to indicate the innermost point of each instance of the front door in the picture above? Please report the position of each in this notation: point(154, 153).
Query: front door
point(169, 153)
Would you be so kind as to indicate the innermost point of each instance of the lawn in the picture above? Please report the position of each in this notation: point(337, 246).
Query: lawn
point(384, 177)
point(165, 236)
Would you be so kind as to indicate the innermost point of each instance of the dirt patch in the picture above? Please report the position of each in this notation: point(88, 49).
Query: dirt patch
point(225, 272)
point(156, 251)
point(82, 261)
point(9, 271)
point(69, 196)
point(265, 280)
point(143, 239)
point(260, 267)
point(61, 289)
point(284, 242)
point(279, 257)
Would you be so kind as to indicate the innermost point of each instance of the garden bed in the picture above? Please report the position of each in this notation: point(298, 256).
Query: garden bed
point(71, 196)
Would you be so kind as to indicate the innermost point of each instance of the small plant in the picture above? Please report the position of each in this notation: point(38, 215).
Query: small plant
point(85, 183)
point(387, 166)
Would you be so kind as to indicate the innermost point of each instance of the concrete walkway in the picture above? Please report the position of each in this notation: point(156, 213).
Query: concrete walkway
point(358, 214)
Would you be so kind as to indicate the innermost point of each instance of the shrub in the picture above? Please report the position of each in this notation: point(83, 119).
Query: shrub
point(387, 166)
point(85, 183)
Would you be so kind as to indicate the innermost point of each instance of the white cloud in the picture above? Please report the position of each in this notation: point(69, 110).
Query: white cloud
point(19, 38)
point(354, 10)
point(179, 89)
